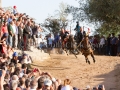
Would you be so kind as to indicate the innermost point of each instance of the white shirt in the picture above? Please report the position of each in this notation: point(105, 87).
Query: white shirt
point(40, 40)
point(102, 41)
point(67, 87)
point(14, 28)
point(26, 61)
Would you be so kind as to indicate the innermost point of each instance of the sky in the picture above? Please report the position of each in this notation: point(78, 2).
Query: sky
point(39, 9)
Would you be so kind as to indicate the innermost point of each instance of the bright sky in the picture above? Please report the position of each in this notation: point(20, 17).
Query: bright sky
point(38, 9)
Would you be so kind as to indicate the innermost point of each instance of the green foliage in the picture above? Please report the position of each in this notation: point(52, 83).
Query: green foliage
point(106, 12)
point(53, 25)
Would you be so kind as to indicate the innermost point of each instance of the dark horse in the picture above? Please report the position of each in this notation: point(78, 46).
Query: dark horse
point(71, 45)
point(86, 49)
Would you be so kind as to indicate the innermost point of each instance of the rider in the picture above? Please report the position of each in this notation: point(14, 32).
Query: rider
point(79, 33)
point(64, 34)
point(78, 28)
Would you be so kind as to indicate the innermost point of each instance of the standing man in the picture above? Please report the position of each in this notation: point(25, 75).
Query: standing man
point(114, 41)
point(27, 35)
point(108, 46)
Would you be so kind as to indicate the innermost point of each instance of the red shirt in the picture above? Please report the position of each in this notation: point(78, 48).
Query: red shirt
point(4, 29)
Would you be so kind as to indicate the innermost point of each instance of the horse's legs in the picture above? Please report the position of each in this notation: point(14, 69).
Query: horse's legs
point(73, 53)
point(87, 60)
point(92, 55)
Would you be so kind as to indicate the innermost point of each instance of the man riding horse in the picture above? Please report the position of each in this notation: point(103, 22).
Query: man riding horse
point(64, 37)
point(79, 35)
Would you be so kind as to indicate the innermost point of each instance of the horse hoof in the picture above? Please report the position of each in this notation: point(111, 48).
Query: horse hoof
point(88, 62)
point(94, 61)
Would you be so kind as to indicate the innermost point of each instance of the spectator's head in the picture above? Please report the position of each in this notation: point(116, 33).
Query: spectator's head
point(41, 82)
point(22, 81)
point(29, 23)
point(18, 65)
point(118, 35)
point(47, 84)
point(113, 34)
point(18, 88)
point(109, 35)
point(17, 23)
point(59, 87)
point(87, 87)
point(17, 71)
point(33, 84)
point(15, 77)
point(95, 88)
point(25, 56)
point(27, 83)
point(67, 82)
point(21, 25)
point(12, 23)
point(14, 7)
point(24, 66)
point(101, 87)
point(15, 55)
point(14, 82)
point(5, 23)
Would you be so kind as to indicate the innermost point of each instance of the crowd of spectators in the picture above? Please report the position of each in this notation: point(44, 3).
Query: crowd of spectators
point(107, 45)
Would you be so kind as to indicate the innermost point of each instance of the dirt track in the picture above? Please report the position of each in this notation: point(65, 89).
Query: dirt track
point(105, 71)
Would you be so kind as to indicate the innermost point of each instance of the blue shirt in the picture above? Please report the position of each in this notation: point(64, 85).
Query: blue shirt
point(113, 40)
point(56, 38)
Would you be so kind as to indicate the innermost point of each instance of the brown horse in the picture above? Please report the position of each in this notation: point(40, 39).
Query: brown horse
point(86, 49)
point(70, 45)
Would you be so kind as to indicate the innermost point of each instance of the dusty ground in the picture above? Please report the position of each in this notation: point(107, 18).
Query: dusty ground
point(105, 71)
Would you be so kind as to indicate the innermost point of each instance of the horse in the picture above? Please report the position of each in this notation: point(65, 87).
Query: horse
point(86, 49)
point(70, 45)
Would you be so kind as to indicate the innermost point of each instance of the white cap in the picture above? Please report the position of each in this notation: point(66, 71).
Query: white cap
point(48, 82)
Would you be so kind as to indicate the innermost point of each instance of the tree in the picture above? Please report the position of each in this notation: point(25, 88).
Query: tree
point(62, 15)
point(52, 24)
point(58, 21)
point(106, 12)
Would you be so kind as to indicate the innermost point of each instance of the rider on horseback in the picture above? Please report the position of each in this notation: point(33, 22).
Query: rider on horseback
point(64, 37)
point(79, 33)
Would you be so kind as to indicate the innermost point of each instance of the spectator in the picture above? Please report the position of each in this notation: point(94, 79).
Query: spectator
point(67, 86)
point(118, 44)
point(114, 41)
point(20, 36)
point(50, 42)
point(102, 45)
point(108, 45)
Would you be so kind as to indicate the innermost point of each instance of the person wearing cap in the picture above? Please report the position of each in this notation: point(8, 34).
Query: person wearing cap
point(15, 58)
point(14, 9)
point(47, 85)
